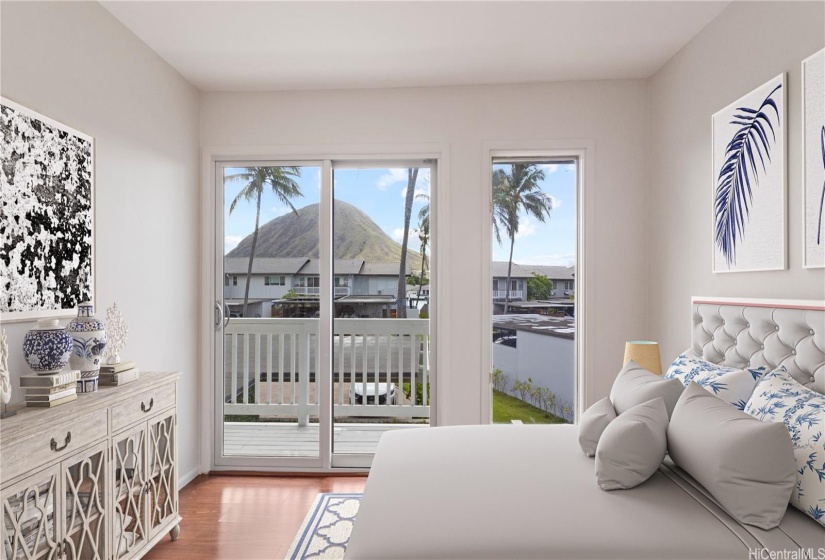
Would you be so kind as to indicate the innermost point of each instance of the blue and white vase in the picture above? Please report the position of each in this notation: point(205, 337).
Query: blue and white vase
point(89, 338)
point(47, 347)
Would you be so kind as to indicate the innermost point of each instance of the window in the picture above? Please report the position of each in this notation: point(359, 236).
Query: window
point(226, 280)
point(275, 281)
point(342, 281)
point(234, 280)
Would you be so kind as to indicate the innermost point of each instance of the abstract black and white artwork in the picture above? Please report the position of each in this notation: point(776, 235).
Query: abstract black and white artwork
point(749, 181)
point(813, 141)
point(46, 215)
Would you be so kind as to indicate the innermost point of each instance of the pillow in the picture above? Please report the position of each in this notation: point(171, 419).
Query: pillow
point(780, 398)
point(732, 385)
point(746, 465)
point(635, 385)
point(592, 423)
point(632, 446)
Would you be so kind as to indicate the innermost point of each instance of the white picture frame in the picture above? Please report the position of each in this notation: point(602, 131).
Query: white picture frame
point(748, 224)
point(54, 303)
point(813, 160)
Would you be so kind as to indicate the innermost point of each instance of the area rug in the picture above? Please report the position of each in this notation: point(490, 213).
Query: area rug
point(326, 529)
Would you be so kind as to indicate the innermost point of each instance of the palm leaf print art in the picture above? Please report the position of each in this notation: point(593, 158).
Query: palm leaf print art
point(822, 196)
point(749, 149)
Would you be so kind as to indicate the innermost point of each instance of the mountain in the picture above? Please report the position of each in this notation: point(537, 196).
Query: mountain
point(356, 237)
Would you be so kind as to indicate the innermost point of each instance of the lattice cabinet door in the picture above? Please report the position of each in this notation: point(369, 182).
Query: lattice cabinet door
point(30, 529)
point(86, 505)
point(131, 489)
point(163, 475)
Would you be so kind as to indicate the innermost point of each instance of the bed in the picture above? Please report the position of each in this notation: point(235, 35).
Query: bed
point(479, 492)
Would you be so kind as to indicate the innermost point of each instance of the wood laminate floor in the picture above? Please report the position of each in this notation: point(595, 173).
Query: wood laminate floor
point(245, 517)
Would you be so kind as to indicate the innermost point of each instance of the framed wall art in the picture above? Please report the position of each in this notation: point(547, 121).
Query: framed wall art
point(813, 157)
point(749, 181)
point(46, 216)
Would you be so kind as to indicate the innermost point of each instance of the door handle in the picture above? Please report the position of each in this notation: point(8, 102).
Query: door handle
point(222, 315)
point(227, 314)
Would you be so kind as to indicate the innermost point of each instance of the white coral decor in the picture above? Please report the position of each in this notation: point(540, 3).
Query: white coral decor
point(117, 331)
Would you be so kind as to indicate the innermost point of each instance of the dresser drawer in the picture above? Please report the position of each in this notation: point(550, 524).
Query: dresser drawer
point(53, 442)
point(142, 406)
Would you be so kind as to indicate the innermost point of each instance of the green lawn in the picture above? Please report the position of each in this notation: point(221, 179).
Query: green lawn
point(506, 408)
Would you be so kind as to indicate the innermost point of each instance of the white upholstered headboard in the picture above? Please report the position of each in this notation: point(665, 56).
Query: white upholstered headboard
point(739, 333)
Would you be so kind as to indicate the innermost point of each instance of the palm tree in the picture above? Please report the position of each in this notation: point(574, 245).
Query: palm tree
point(515, 192)
point(401, 301)
point(424, 237)
point(282, 182)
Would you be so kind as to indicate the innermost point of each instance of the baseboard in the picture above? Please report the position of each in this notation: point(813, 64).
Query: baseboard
point(187, 477)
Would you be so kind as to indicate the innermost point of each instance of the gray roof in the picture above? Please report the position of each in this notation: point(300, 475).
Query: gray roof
point(341, 266)
point(527, 270)
point(382, 269)
point(500, 270)
point(552, 272)
point(239, 265)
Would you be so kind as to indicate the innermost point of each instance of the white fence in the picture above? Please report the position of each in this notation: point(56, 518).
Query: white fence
point(272, 367)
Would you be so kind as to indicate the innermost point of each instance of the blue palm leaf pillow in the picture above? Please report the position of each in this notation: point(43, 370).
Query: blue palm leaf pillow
point(780, 398)
point(732, 385)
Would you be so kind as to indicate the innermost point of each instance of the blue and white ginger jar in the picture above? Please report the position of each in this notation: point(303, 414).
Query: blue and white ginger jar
point(89, 336)
point(47, 347)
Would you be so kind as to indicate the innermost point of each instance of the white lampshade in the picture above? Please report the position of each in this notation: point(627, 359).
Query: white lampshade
point(645, 353)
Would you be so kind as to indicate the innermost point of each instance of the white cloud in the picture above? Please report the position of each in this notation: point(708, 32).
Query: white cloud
point(550, 167)
point(425, 191)
point(525, 227)
point(394, 177)
point(231, 241)
point(556, 202)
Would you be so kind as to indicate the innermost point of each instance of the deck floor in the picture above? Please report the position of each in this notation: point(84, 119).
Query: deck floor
point(282, 439)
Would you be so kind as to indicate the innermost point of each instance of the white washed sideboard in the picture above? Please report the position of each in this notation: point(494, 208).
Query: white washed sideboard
point(96, 478)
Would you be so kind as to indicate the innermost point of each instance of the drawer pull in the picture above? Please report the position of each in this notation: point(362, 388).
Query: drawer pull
point(143, 406)
point(53, 444)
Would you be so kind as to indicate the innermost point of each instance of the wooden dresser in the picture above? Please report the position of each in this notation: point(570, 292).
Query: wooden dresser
point(94, 478)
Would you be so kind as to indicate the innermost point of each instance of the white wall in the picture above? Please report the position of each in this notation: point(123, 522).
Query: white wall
point(748, 44)
point(613, 114)
point(77, 64)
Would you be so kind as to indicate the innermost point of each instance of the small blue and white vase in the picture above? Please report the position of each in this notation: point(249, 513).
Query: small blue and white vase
point(89, 337)
point(47, 347)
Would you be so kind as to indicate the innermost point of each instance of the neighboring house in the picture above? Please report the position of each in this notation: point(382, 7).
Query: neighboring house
point(563, 278)
point(273, 278)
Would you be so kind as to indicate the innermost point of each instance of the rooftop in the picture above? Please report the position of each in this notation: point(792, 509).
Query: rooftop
point(499, 270)
point(561, 327)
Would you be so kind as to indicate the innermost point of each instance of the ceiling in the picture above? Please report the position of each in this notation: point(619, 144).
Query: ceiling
point(270, 46)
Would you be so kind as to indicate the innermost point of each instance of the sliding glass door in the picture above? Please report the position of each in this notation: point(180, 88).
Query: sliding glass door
point(322, 307)
point(380, 359)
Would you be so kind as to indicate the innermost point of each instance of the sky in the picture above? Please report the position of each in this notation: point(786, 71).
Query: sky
point(380, 194)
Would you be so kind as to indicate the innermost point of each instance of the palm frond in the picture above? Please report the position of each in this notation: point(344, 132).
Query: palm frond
point(822, 196)
point(740, 171)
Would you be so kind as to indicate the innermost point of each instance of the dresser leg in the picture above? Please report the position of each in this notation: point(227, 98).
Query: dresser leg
point(175, 532)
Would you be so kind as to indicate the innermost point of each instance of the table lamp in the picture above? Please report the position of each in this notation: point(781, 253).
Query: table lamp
point(645, 353)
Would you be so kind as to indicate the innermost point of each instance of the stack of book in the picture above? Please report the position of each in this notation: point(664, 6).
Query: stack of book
point(48, 391)
point(119, 373)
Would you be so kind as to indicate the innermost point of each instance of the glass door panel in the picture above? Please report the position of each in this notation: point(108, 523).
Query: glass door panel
point(380, 342)
point(271, 301)
point(533, 291)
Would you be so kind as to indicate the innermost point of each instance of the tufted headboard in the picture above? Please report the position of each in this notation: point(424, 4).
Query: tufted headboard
point(739, 333)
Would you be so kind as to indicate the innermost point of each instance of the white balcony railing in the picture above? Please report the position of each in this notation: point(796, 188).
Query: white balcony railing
point(271, 367)
point(310, 291)
point(502, 294)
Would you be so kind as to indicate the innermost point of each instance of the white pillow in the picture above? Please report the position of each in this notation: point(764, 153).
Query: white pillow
point(780, 398)
point(732, 385)
point(592, 423)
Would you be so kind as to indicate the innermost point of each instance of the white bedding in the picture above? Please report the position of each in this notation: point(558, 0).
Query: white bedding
point(518, 492)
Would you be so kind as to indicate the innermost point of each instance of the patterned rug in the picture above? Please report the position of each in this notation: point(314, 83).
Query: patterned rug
point(325, 532)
